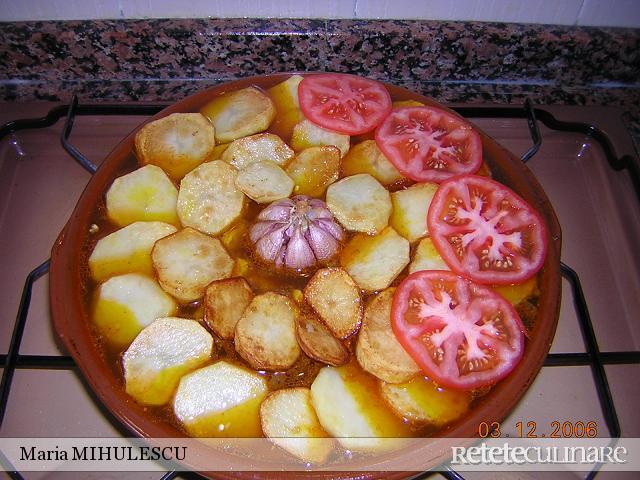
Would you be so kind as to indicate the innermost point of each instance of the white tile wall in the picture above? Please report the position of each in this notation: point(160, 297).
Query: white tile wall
point(615, 13)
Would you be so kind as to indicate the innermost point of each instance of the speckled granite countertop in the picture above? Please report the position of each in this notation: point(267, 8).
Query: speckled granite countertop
point(449, 61)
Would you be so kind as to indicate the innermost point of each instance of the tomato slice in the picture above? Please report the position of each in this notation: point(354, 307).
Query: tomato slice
point(484, 231)
point(429, 144)
point(461, 334)
point(344, 103)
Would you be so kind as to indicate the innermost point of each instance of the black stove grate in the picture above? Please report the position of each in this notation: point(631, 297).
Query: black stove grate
point(593, 356)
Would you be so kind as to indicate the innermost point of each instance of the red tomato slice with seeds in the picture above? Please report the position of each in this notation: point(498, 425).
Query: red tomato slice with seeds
point(344, 103)
point(461, 334)
point(484, 231)
point(429, 144)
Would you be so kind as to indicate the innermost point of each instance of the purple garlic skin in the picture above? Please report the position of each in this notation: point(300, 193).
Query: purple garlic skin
point(296, 233)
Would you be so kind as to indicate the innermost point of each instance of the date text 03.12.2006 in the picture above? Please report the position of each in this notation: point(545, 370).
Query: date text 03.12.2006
point(552, 429)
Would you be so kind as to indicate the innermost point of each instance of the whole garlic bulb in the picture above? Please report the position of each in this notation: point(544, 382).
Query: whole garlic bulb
point(296, 233)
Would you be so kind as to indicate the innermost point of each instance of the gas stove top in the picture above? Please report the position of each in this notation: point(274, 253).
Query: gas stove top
point(590, 175)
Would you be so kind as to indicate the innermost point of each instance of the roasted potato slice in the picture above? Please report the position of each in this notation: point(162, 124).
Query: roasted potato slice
point(422, 401)
point(239, 114)
point(187, 261)
point(162, 353)
point(335, 297)
point(407, 103)
point(285, 98)
point(518, 292)
point(307, 134)
point(224, 304)
point(314, 169)
point(209, 199)
point(125, 304)
point(264, 182)
point(317, 341)
point(426, 257)
point(366, 157)
point(127, 250)
point(289, 420)
point(144, 195)
point(378, 351)
point(177, 143)
point(346, 408)
point(220, 400)
point(410, 207)
point(375, 261)
point(266, 333)
point(257, 148)
point(360, 203)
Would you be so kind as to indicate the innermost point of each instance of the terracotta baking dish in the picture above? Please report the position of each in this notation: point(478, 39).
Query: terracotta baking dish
point(71, 320)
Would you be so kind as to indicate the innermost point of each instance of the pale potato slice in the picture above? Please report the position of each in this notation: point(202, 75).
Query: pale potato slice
point(360, 203)
point(317, 341)
point(285, 98)
point(177, 143)
point(209, 199)
point(422, 401)
point(239, 114)
point(410, 207)
point(125, 304)
point(144, 195)
point(162, 353)
point(378, 351)
point(221, 400)
point(347, 407)
point(127, 250)
point(314, 169)
point(375, 261)
point(266, 333)
point(264, 182)
point(307, 134)
point(224, 304)
point(426, 257)
point(366, 157)
point(289, 421)
point(187, 261)
point(334, 296)
point(257, 148)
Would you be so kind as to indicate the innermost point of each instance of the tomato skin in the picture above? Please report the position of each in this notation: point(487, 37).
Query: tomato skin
point(344, 103)
point(479, 237)
point(429, 144)
point(415, 326)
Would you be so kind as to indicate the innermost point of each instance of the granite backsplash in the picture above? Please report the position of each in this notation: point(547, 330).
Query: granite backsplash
point(167, 59)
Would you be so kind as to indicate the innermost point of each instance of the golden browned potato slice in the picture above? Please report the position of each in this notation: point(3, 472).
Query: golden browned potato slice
point(375, 261)
point(187, 261)
point(239, 114)
point(257, 148)
point(144, 195)
point(317, 341)
point(264, 182)
point(307, 134)
point(125, 304)
point(127, 250)
point(426, 257)
point(314, 169)
point(221, 400)
point(378, 351)
point(224, 304)
point(209, 199)
point(162, 353)
point(422, 401)
point(177, 143)
point(285, 98)
point(289, 420)
point(266, 333)
point(410, 207)
point(366, 157)
point(518, 292)
point(334, 296)
point(347, 407)
point(407, 103)
point(360, 203)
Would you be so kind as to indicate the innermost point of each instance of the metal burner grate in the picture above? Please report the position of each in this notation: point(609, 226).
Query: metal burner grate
point(593, 357)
